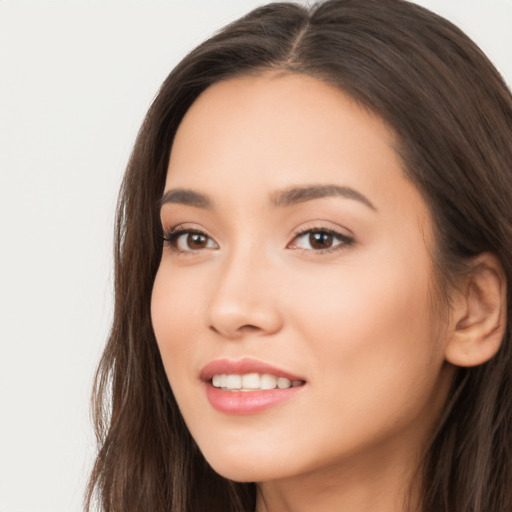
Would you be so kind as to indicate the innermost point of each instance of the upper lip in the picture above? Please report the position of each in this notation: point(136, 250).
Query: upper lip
point(241, 367)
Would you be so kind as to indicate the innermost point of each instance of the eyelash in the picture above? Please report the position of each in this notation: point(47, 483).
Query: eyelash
point(344, 240)
point(171, 237)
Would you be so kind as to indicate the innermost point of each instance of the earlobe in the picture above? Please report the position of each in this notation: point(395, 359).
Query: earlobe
point(479, 318)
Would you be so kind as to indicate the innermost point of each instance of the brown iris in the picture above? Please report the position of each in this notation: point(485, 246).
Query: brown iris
point(320, 240)
point(197, 240)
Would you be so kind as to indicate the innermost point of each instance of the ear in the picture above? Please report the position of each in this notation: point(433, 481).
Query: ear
point(479, 314)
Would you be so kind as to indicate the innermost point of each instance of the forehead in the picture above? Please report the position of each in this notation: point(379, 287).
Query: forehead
point(275, 116)
point(246, 137)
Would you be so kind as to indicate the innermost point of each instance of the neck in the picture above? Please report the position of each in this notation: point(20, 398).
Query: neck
point(382, 486)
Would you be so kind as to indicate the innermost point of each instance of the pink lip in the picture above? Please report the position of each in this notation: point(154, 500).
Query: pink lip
point(245, 402)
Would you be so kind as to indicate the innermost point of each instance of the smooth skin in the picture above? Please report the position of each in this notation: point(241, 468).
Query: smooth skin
point(265, 278)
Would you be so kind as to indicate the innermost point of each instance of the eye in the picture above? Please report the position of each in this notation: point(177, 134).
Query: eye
point(321, 240)
point(188, 240)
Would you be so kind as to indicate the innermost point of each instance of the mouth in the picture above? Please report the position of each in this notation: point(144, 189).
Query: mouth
point(252, 382)
point(247, 386)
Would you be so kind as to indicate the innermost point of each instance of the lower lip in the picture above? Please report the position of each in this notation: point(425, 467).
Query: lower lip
point(248, 402)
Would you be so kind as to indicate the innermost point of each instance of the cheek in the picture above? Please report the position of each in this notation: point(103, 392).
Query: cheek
point(362, 299)
point(174, 318)
point(371, 330)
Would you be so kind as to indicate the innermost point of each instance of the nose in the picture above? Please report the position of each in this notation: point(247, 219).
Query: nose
point(245, 299)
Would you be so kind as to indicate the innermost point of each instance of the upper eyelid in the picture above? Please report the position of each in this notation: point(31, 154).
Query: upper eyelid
point(322, 226)
point(344, 239)
point(185, 228)
point(302, 231)
point(317, 224)
point(181, 228)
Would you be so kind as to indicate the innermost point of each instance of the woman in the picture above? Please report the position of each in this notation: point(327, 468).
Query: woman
point(314, 241)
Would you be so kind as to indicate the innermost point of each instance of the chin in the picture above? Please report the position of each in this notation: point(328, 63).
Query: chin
point(240, 474)
point(244, 467)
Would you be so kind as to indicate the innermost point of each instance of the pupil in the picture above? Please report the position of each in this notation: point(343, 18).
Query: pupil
point(320, 240)
point(196, 240)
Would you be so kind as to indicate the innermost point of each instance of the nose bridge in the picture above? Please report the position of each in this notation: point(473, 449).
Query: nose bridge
point(243, 297)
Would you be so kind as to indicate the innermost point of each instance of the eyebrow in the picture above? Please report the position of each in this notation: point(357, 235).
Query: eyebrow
point(295, 195)
point(187, 197)
point(282, 198)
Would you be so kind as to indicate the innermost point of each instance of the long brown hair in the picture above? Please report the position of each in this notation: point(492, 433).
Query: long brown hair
point(451, 112)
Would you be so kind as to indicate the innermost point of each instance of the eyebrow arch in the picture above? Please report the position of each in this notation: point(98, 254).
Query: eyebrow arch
point(187, 197)
point(294, 195)
point(282, 198)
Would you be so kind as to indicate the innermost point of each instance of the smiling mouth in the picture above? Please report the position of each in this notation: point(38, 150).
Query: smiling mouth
point(248, 386)
point(248, 382)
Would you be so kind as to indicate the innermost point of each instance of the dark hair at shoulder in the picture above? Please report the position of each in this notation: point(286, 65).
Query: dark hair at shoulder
point(452, 114)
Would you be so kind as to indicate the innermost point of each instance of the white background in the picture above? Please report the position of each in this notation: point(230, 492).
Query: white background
point(76, 78)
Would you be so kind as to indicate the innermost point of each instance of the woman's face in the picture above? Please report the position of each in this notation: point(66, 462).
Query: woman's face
point(298, 267)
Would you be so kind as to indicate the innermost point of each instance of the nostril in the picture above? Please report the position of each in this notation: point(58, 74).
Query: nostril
point(216, 331)
point(247, 328)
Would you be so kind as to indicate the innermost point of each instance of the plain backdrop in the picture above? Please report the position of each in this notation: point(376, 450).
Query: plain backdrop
point(76, 78)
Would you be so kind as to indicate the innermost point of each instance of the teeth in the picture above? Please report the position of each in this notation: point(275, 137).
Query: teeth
point(283, 383)
point(233, 381)
point(268, 381)
point(253, 381)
